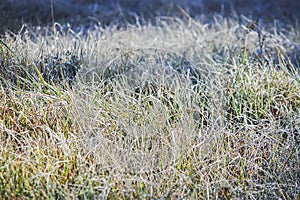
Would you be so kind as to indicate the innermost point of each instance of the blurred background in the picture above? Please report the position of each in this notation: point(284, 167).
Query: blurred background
point(15, 13)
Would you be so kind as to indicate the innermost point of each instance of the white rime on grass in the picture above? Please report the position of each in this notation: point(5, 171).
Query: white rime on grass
point(175, 110)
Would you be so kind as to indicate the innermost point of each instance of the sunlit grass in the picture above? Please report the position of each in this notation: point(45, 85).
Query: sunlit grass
point(177, 110)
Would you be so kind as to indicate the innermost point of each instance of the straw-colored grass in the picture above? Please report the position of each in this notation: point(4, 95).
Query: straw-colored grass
point(179, 110)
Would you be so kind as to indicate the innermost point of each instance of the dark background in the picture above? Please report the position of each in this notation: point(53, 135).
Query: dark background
point(15, 13)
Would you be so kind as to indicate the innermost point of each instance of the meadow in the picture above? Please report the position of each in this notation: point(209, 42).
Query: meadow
point(178, 109)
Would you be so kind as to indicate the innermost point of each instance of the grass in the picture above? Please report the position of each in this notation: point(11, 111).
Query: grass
point(176, 110)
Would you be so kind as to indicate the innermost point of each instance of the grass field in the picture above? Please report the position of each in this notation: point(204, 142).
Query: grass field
point(175, 110)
